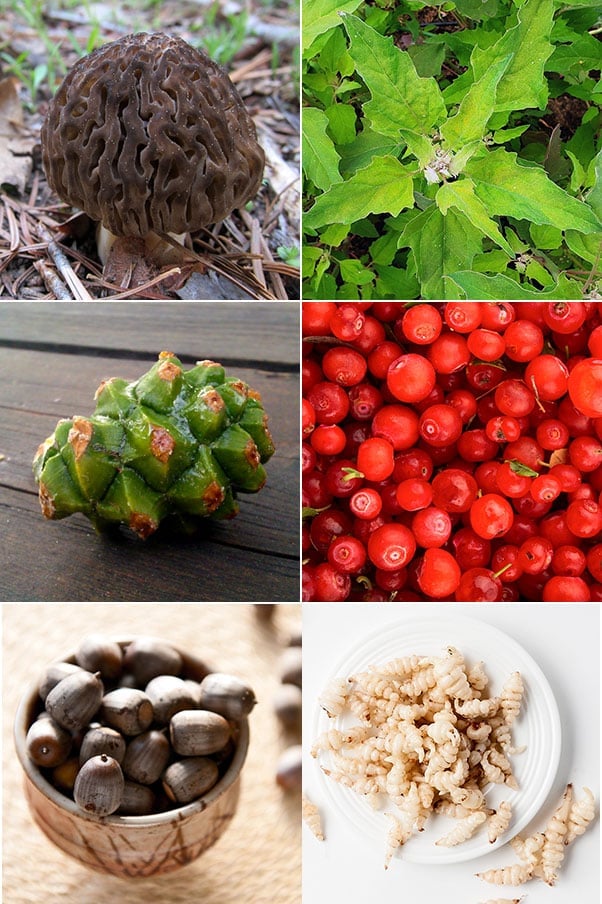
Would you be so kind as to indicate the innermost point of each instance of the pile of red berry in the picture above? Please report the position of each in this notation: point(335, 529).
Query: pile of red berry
point(452, 451)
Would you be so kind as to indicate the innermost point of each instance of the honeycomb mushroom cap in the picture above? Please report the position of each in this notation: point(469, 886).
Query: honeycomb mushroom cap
point(147, 134)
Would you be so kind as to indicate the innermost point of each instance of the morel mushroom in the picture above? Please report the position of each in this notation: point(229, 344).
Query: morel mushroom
point(148, 135)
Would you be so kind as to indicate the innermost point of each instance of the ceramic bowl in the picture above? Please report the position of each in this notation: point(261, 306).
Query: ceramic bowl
point(130, 846)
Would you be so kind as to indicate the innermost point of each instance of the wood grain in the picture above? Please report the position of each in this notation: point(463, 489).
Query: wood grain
point(55, 372)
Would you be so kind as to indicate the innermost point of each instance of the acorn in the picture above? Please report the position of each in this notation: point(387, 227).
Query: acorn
point(127, 709)
point(194, 689)
point(75, 700)
point(287, 705)
point(102, 739)
point(99, 785)
point(289, 770)
point(198, 732)
point(226, 695)
point(186, 780)
point(64, 775)
point(136, 800)
point(146, 757)
point(98, 653)
point(147, 657)
point(47, 743)
point(290, 666)
point(168, 695)
point(55, 672)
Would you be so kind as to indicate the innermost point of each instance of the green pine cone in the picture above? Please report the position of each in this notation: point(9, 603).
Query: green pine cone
point(174, 442)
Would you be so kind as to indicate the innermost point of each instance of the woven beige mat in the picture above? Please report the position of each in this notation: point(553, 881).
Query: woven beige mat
point(258, 859)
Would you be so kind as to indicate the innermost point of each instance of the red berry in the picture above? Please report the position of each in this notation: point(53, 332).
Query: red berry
point(491, 516)
point(366, 503)
point(391, 546)
point(478, 585)
point(344, 366)
point(414, 494)
point(347, 554)
point(438, 574)
point(410, 378)
point(566, 589)
point(431, 527)
point(328, 439)
point(421, 324)
point(375, 459)
point(463, 316)
point(469, 431)
point(440, 425)
point(330, 584)
point(547, 376)
point(585, 387)
point(347, 322)
point(454, 490)
point(398, 424)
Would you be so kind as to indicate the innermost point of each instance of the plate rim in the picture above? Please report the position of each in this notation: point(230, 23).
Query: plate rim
point(443, 622)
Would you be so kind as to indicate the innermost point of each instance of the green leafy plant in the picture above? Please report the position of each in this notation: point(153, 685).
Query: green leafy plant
point(44, 77)
point(452, 151)
point(221, 36)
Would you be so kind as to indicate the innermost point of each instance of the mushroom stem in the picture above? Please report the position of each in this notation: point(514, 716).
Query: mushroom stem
point(155, 248)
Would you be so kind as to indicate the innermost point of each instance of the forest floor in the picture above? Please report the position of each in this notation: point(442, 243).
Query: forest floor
point(48, 250)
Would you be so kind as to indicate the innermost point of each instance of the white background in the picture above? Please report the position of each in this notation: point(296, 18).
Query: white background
point(347, 868)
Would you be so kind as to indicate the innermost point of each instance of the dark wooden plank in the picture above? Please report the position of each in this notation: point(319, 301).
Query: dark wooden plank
point(67, 561)
point(223, 330)
point(61, 385)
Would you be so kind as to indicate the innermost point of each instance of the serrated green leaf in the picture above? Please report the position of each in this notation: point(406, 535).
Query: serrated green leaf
point(581, 55)
point(490, 262)
point(509, 189)
point(477, 9)
point(341, 121)
point(320, 159)
point(441, 245)
point(500, 136)
point(367, 145)
point(589, 247)
point(334, 235)
point(461, 195)
point(400, 98)
point(334, 57)
point(578, 174)
point(537, 272)
point(320, 16)
point(384, 186)
point(594, 195)
point(546, 237)
point(523, 84)
point(394, 282)
point(354, 272)
point(500, 287)
point(418, 145)
point(427, 58)
point(462, 157)
point(476, 107)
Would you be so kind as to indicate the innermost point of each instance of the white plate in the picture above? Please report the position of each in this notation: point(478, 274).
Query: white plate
point(538, 727)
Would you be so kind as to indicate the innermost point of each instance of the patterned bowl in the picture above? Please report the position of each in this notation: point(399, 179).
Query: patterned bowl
point(130, 846)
